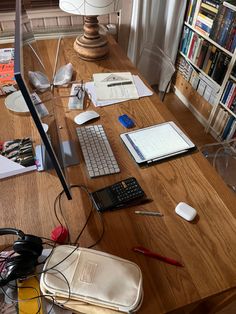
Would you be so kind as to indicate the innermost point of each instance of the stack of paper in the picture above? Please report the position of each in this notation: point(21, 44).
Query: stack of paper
point(100, 97)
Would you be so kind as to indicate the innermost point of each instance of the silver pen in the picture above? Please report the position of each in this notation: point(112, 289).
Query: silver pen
point(148, 213)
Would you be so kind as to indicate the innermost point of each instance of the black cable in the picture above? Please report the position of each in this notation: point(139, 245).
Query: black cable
point(29, 299)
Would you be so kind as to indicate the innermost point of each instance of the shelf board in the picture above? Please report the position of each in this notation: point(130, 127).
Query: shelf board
point(210, 40)
point(200, 70)
point(226, 108)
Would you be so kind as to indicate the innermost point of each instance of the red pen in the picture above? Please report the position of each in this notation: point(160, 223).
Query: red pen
point(146, 252)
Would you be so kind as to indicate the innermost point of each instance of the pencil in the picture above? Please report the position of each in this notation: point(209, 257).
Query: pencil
point(148, 213)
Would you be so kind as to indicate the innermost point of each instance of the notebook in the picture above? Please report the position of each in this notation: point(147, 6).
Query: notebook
point(157, 142)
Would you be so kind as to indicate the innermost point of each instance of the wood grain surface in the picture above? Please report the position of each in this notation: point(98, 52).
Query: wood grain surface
point(206, 247)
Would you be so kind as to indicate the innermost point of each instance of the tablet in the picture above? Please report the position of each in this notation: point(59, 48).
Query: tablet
point(157, 142)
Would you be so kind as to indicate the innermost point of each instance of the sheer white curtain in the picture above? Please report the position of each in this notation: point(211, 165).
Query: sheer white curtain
point(156, 21)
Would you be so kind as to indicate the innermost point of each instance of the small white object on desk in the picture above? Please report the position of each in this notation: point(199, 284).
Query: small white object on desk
point(185, 211)
point(86, 116)
point(16, 103)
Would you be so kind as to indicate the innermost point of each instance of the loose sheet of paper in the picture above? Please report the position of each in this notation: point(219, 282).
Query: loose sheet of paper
point(110, 86)
point(142, 89)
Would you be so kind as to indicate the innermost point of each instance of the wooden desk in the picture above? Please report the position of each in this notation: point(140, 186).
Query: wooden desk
point(207, 247)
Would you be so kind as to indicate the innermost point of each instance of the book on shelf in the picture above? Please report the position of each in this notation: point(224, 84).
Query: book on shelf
point(223, 120)
point(192, 46)
point(218, 119)
point(227, 127)
point(228, 87)
point(209, 7)
point(191, 11)
point(204, 48)
point(226, 26)
point(16, 157)
point(207, 57)
point(232, 131)
point(220, 68)
point(231, 96)
point(223, 29)
point(233, 106)
point(210, 59)
point(217, 22)
point(7, 79)
point(202, 27)
point(213, 3)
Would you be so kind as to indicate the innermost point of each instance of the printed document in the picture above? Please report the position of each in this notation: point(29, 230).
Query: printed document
point(118, 85)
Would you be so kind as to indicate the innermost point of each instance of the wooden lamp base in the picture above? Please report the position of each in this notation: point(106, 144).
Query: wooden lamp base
point(91, 46)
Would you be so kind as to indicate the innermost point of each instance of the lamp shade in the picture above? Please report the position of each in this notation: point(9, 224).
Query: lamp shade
point(90, 7)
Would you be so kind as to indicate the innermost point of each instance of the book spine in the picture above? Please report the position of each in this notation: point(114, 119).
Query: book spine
point(227, 127)
point(213, 62)
point(206, 59)
point(226, 91)
point(226, 24)
point(217, 23)
point(202, 26)
point(212, 3)
point(192, 12)
point(220, 68)
point(192, 46)
point(232, 131)
point(188, 43)
point(189, 10)
point(230, 94)
point(202, 55)
point(209, 7)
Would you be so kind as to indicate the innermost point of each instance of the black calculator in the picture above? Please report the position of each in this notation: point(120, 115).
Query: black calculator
point(118, 195)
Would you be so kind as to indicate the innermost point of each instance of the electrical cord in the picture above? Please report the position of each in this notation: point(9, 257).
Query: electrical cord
point(54, 244)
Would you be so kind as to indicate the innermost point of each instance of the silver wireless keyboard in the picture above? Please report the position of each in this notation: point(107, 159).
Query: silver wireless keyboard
point(97, 152)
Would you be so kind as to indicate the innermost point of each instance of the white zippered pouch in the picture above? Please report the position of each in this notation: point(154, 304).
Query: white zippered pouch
point(93, 277)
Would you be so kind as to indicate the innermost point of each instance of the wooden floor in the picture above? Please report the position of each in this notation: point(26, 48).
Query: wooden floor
point(187, 121)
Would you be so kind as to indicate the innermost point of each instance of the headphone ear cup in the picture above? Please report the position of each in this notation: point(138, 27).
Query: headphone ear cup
point(28, 245)
point(18, 267)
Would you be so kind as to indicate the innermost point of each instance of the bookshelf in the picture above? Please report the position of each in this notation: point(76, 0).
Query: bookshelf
point(207, 65)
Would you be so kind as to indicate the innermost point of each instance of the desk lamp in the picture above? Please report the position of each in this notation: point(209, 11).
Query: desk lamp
point(91, 46)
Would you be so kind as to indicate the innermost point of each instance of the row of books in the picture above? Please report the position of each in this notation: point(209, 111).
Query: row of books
point(201, 83)
point(225, 125)
point(204, 55)
point(191, 11)
point(214, 19)
point(229, 96)
point(206, 15)
point(223, 30)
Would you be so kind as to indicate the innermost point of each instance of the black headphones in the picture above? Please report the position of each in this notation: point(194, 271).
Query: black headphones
point(28, 248)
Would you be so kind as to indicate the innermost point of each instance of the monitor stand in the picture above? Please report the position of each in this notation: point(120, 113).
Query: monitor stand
point(68, 151)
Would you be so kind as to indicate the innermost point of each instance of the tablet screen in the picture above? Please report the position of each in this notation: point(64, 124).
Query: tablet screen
point(156, 142)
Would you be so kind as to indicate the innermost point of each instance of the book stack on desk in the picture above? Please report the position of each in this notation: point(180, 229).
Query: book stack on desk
point(16, 157)
point(7, 80)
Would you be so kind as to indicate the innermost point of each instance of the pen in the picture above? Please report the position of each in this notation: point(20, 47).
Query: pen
point(146, 252)
point(120, 83)
point(148, 213)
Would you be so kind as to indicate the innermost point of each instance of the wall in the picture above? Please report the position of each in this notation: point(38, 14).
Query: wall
point(53, 21)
